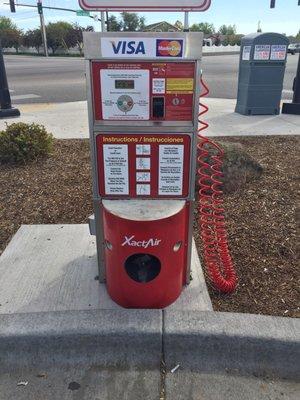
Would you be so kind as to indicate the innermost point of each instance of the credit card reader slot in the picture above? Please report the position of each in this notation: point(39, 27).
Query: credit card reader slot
point(158, 107)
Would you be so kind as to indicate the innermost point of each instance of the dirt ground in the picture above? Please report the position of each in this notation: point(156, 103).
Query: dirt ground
point(261, 217)
point(262, 221)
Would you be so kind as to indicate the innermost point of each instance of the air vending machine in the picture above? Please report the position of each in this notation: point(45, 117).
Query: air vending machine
point(143, 97)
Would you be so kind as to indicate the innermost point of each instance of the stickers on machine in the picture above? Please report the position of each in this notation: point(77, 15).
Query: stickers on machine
point(246, 53)
point(278, 52)
point(262, 52)
point(125, 94)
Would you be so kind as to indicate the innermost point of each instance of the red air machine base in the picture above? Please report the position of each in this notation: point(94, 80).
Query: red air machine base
point(143, 92)
point(148, 268)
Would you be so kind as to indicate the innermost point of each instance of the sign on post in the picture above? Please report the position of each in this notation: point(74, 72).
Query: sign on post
point(144, 5)
point(82, 13)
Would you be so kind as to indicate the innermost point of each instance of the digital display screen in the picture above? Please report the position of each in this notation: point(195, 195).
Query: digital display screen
point(124, 84)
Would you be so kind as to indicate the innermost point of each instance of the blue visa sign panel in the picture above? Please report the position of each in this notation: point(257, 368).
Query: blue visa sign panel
point(134, 47)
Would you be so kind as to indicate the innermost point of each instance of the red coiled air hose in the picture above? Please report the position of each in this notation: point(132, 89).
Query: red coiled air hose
point(212, 221)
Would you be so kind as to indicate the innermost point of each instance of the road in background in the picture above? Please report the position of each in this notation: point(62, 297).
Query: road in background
point(57, 80)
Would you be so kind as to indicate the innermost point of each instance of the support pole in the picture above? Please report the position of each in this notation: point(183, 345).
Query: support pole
point(186, 26)
point(103, 25)
point(43, 27)
point(107, 22)
point(294, 107)
point(6, 110)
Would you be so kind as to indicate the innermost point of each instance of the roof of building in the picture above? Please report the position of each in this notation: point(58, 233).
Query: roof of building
point(158, 26)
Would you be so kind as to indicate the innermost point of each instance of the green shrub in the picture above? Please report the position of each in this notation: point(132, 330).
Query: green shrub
point(22, 142)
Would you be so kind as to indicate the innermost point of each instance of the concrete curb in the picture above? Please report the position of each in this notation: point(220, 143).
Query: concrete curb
point(233, 343)
point(106, 338)
point(208, 342)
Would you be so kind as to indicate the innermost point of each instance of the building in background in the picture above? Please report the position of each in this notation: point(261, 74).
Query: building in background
point(163, 26)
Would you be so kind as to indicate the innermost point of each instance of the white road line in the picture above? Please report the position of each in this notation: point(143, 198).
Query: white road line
point(25, 97)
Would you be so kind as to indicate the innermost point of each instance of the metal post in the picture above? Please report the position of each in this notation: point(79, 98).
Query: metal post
point(296, 98)
point(6, 110)
point(294, 107)
point(186, 27)
point(107, 22)
point(103, 26)
point(43, 27)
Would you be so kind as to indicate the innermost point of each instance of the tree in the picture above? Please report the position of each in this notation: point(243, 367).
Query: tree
point(232, 40)
point(6, 23)
point(33, 38)
point(13, 38)
point(113, 24)
point(179, 25)
point(129, 22)
point(132, 22)
point(217, 39)
point(60, 34)
point(292, 38)
point(205, 27)
point(77, 36)
point(10, 35)
point(227, 30)
point(298, 35)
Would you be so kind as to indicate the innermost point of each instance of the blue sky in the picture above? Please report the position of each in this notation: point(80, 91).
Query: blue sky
point(245, 14)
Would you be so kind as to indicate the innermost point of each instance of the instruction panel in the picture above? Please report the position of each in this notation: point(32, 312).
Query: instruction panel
point(125, 94)
point(150, 165)
point(143, 91)
point(170, 169)
point(116, 178)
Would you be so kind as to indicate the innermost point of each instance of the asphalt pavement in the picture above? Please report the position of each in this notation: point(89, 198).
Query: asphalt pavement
point(62, 79)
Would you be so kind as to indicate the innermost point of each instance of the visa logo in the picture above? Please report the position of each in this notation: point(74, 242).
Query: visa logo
point(132, 47)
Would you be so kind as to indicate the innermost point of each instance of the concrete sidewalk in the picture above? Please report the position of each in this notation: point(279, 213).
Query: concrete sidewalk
point(96, 383)
point(63, 337)
point(70, 120)
point(48, 268)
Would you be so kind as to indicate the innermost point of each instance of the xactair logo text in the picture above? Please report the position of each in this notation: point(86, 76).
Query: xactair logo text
point(130, 241)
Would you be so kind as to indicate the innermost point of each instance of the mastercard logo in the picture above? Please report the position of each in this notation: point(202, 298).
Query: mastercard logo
point(169, 48)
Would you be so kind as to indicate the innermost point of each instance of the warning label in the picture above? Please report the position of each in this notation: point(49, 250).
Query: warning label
point(158, 86)
point(116, 169)
point(170, 169)
point(180, 85)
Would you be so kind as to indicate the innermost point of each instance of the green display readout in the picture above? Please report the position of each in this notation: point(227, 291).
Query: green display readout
point(124, 84)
